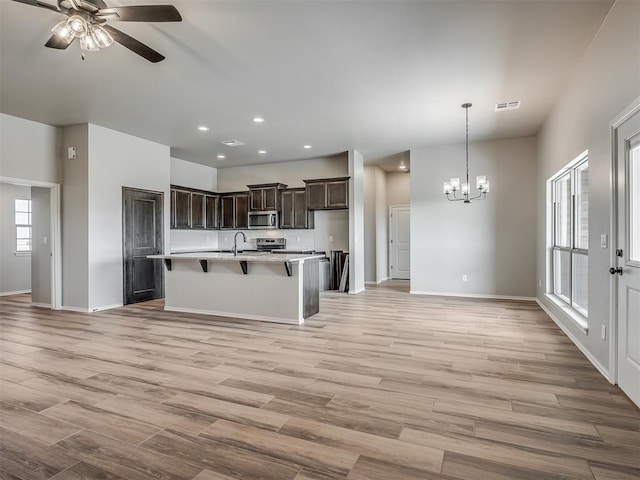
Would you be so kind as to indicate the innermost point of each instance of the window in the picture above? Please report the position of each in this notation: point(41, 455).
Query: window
point(570, 197)
point(23, 225)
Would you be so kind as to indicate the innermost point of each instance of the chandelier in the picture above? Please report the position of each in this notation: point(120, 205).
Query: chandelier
point(453, 185)
point(92, 36)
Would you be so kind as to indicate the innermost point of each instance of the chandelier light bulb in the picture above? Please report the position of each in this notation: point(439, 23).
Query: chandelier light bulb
point(455, 184)
point(481, 181)
point(78, 25)
point(447, 188)
point(465, 188)
point(63, 31)
point(89, 44)
point(101, 36)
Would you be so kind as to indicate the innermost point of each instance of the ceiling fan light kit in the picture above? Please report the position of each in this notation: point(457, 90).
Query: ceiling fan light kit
point(87, 22)
point(453, 185)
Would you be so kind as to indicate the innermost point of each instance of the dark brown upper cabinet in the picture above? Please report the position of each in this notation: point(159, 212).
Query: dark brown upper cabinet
point(265, 197)
point(211, 212)
point(234, 210)
point(327, 193)
point(194, 209)
point(197, 210)
point(294, 213)
point(181, 208)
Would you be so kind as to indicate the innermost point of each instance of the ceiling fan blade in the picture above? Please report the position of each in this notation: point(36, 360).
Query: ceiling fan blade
point(56, 42)
point(142, 13)
point(134, 45)
point(36, 3)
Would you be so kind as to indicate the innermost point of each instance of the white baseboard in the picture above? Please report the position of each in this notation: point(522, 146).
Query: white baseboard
point(378, 282)
point(15, 292)
point(41, 305)
point(235, 315)
point(577, 343)
point(474, 295)
point(355, 292)
point(75, 309)
point(106, 307)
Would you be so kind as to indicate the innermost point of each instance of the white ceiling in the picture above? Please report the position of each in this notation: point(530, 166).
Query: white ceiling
point(380, 77)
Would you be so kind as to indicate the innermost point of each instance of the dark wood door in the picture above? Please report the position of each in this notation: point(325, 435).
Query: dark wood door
point(197, 210)
point(142, 236)
point(182, 209)
point(256, 198)
point(286, 215)
point(211, 212)
point(316, 196)
point(226, 211)
point(242, 210)
point(270, 198)
point(302, 218)
point(338, 194)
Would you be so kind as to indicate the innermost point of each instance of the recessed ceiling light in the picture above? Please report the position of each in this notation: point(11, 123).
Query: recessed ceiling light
point(307, 147)
point(232, 143)
point(262, 152)
point(402, 166)
point(202, 128)
point(258, 120)
point(221, 157)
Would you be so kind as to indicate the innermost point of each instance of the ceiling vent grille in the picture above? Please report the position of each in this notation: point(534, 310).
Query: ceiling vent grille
point(500, 107)
point(232, 143)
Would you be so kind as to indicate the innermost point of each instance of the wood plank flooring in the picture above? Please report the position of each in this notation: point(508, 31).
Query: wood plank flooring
point(381, 385)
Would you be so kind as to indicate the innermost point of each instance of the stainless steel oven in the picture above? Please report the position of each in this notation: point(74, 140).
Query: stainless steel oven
point(263, 220)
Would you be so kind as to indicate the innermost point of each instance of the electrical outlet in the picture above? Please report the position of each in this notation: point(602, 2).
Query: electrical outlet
point(331, 238)
point(539, 283)
point(603, 332)
point(464, 278)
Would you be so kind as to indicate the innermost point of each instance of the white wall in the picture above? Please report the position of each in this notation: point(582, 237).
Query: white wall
point(193, 175)
point(231, 179)
point(118, 160)
point(369, 195)
point(356, 222)
point(382, 226)
point(606, 81)
point(375, 225)
point(41, 247)
point(15, 271)
point(29, 150)
point(491, 241)
point(75, 219)
point(398, 188)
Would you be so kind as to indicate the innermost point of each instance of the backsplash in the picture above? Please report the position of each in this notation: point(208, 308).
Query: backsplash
point(296, 239)
point(190, 240)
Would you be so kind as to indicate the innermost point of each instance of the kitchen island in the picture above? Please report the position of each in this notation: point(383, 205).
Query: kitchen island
point(257, 286)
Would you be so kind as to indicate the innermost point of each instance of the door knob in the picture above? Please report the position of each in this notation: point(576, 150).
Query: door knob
point(614, 270)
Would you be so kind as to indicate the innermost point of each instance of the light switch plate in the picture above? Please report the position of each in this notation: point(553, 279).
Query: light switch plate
point(604, 240)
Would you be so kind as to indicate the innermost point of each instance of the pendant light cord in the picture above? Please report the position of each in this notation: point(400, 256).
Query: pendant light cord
point(467, 148)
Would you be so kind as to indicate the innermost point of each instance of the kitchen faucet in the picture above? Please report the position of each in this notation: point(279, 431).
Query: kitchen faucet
point(235, 242)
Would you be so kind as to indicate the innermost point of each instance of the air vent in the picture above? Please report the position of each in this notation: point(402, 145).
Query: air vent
point(507, 106)
point(232, 143)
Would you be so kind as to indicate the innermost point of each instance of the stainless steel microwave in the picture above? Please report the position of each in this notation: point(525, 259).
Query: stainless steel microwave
point(263, 220)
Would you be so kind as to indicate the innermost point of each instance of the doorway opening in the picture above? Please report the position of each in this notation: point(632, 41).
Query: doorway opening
point(31, 248)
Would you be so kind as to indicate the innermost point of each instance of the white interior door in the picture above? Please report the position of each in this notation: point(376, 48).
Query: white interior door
point(399, 242)
point(627, 270)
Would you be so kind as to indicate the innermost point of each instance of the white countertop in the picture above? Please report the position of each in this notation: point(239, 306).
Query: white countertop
point(263, 257)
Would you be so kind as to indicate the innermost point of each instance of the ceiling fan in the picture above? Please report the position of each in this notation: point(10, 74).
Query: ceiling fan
point(87, 21)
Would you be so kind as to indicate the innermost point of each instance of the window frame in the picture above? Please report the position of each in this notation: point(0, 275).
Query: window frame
point(19, 251)
point(572, 170)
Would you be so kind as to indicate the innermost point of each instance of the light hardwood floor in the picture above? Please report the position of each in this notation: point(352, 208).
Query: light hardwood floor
point(382, 385)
